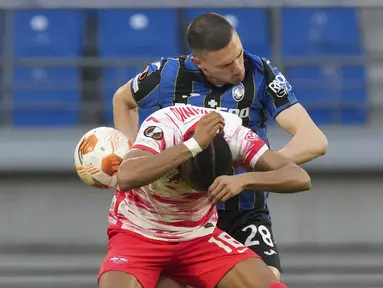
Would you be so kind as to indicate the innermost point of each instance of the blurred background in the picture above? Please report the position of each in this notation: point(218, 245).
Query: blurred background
point(60, 67)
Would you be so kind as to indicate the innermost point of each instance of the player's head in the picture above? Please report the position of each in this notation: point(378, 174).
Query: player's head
point(216, 160)
point(217, 49)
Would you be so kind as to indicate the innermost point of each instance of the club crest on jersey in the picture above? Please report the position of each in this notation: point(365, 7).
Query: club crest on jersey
point(238, 92)
point(154, 132)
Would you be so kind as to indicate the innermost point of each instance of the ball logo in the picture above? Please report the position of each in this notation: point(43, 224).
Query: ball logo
point(154, 132)
point(238, 92)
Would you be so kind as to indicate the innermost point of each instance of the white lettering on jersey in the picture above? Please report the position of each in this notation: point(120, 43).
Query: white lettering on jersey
point(242, 113)
point(280, 86)
point(187, 111)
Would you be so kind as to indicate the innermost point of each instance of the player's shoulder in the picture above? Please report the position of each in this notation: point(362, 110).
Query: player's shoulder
point(261, 64)
point(232, 122)
point(158, 67)
point(168, 69)
point(159, 116)
point(257, 61)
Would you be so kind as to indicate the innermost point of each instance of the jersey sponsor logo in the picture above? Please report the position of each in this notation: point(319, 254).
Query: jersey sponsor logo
point(242, 113)
point(270, 252)
point(191, 95)
point(182, 115)
point(154, 132)
point(238, 92)
point(280, 86)
point(251, 136)
point(184, 112)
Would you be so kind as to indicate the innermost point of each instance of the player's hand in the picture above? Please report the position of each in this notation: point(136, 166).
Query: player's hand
point(224, 188)
point(207, 128)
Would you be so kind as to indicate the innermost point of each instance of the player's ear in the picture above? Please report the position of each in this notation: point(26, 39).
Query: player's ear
point(196, 61)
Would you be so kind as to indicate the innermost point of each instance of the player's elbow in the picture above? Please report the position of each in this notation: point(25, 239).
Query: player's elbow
point(320, 143)
point(300, 180)
point(127, 178)
point(323, 145)
point(123, 96)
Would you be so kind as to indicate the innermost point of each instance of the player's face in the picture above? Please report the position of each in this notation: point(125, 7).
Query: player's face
point(224, 66)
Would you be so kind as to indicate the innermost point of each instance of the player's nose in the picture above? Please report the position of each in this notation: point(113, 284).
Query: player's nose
point(237, 69)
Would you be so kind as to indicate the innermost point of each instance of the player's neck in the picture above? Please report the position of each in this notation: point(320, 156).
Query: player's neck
point(214, 81)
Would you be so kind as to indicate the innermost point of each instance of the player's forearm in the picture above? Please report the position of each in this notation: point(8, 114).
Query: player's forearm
point(304, 147)
point(125, 117)
point(140, 171)
point(288, 179)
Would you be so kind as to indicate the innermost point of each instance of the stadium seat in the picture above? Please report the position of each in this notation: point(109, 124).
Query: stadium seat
point(47, 96)
point(252, 26)
point(137, 33)
point(2, 32)
point(48, 33)
point(114, 78)
point(354, 95)
point(145, 33)
point(321, 32)
point(331, 95)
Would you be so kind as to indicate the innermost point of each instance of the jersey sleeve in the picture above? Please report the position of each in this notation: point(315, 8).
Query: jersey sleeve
point(247, 147)
point(145, 87)
point(155, 136)
point(279, 94)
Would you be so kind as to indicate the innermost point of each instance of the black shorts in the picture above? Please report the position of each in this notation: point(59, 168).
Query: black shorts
point(252, 229)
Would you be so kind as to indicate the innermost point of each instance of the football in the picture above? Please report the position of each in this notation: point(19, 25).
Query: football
point(98, 156)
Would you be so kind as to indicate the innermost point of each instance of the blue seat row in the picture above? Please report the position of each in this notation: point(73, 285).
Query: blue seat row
point(152, 33)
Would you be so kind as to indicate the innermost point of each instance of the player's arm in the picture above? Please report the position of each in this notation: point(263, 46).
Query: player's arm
point(273, 172)
point(141, 91)
point(308, 140)
point(276, 173)
point(125, 112)
point(150, 158)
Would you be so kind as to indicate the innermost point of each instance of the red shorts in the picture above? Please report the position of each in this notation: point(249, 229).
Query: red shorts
point(200, 262)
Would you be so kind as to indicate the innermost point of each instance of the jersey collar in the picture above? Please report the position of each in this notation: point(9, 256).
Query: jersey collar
point(198, 75)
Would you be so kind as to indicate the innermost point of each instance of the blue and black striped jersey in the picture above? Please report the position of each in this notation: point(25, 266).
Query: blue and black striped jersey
point(264, 92)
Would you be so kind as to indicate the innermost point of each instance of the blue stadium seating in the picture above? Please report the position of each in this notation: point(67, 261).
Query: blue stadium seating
point(52, 98)
point(329, 94)
point(149, 33)
point(321, 32)
point(332, 96)
point(114, 78)
point(136, 33)
point(2, 32)
point(252, 26)
point(46, 34)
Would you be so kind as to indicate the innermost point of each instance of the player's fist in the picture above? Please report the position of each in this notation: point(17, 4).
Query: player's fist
point(207, 128)
point(223, 188)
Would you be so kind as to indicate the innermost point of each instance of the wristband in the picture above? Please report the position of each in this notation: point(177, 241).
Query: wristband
point(193, 147)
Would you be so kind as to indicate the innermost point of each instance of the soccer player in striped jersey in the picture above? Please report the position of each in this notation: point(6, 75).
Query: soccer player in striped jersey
point(220, 74)
point(163, 216)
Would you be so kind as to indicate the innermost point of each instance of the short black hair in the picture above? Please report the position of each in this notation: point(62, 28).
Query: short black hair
point(209, 32)
point(216, 160)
